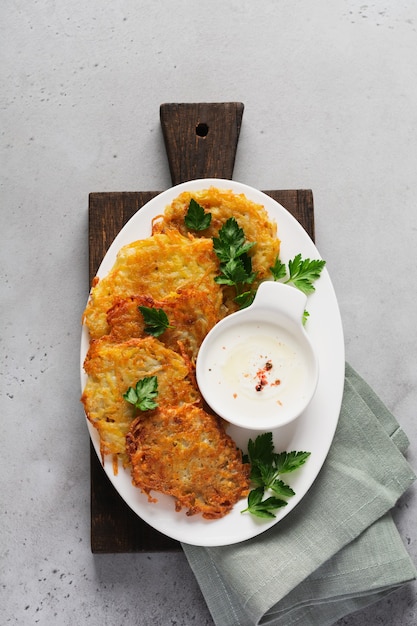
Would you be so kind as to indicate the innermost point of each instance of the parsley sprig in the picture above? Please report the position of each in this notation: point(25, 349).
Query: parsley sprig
point(302, 273)
point(143, 393)
point(196, 217)
point(156, 320)
point(267, 467)
point(232, 250)
point(260, 507)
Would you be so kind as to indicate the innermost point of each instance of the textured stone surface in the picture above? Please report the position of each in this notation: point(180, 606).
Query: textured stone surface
point(330, 104)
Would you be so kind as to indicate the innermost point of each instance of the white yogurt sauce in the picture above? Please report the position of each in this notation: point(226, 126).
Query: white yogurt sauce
point(257, 368)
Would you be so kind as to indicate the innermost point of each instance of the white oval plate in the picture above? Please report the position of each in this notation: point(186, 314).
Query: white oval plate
point(313, 431)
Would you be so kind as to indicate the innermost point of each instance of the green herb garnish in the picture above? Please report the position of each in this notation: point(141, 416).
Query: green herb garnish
point(156, 320)
point(143, 394)
point(232, 250)
point(266, 469)
point(245, 299)
point(278, 270)
point(196, 217)
point(262, 508)
point(231, 244)
point(290, 461)
point(302, 272)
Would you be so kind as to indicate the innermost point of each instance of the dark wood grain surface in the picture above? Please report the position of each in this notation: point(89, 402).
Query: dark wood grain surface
point(201, 139)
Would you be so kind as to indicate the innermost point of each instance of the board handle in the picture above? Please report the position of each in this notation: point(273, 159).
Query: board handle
point(201, 138)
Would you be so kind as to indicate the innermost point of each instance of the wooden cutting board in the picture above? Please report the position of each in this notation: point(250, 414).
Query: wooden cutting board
point(201, 141)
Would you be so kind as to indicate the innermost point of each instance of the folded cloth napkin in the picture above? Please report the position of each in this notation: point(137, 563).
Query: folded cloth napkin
point(338, 550)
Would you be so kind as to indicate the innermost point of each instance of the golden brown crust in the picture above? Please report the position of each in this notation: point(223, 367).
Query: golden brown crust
point(183, 451)
point(191, 313)
point(179, 448)
point(222, 204)
point(157, 266)
point(114, 367)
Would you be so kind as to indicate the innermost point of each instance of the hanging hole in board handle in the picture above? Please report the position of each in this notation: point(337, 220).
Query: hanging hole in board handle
point(202, 129)
point(201, 138)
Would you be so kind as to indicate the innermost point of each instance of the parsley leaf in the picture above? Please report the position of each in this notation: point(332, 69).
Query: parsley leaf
point(196, 218)
point(143, 394)
point(290, 461)
point(245, 299)
point(230, 243)
point(232, 250)
point(234, 273)
point(263, 508)
point(266, 468)
point(156, 320)
point(279, 269)
point(262, 449)
point(268, 474)
point(302, 272)
point(281, 489)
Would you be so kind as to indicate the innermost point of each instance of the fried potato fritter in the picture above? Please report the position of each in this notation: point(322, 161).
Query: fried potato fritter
point(222, 204)
point(156, 266)
point(178, 449)
point(184, 452)
point(191, 314)
point(114, 367)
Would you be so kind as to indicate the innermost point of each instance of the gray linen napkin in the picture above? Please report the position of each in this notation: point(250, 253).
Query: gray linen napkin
point(339, 549)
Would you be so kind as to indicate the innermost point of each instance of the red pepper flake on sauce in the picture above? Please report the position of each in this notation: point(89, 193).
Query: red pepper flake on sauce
point(261, 376)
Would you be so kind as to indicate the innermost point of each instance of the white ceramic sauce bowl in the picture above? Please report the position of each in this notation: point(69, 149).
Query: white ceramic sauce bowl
point(257, 368)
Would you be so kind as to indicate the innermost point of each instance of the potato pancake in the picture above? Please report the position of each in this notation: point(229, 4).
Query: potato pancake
point(114, 367)
point(222, 204)
point(156, 266)
point(184, 452)
point(178, 449)
point(191, 314)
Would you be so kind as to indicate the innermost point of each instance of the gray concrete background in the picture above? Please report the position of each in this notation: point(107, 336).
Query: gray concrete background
point(330, 104)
